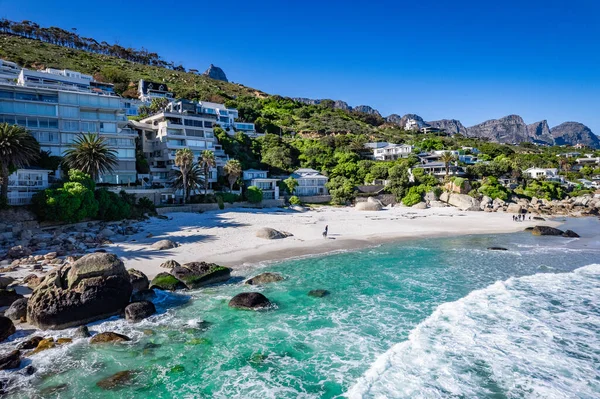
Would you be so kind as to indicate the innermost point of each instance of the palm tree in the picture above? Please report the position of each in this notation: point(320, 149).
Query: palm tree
point(233, 169)
point(193, 180)
point(207, 160)
point(17, 148)
point(447, 158)
point(91, 154)
point(184, 159)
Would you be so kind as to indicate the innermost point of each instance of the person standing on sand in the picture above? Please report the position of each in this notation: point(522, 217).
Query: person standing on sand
point(325, 232)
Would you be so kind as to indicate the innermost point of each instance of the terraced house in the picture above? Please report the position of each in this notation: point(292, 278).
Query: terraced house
point(57, 105)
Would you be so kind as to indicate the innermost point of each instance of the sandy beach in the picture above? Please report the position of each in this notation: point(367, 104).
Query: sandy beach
point(229, 237)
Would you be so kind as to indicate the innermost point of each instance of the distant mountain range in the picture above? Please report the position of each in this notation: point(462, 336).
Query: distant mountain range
point(510, 129)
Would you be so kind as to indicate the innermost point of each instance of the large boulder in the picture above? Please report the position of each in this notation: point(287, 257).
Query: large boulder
point(164, 244)
point(18, 252)
point(514, 208)
point(546, 231)
point(166, 282)
point(17, 310)
point(249, 300)
point(170, 264)
point(198, 274)
point(272, 234)
point(11, 360)
point(7, 328)
point(264, 278)
point(570, 233)
point(139, 281)
point(137, 311)
point(94, 287)
point(368, 206)
point(419, 205)
point(5, 281)
point(108, 336)
point(463, 202)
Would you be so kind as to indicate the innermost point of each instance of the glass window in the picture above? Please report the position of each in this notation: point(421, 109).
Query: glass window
point(69, 112)
point(208, 124)
point(6, 94)
point(70, 126)
point(68, 98)
point(89, 115)
point(108, 127)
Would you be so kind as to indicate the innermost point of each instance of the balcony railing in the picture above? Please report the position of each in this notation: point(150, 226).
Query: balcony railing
point(25, 183)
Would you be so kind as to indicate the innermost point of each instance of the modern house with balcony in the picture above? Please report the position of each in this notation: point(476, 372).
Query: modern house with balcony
point(391, 152)
point(310, 183)
point(149, 90)
point(258, 178)
point(438, 169)
point(184, 124)
point(24, 183)
point(549, 174)
point(57, 105)
point(9, 71)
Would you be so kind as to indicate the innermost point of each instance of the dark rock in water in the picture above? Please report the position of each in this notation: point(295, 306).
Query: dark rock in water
point(546, 231)
point(47, 343)
point(7, 297)
point(199, 274)
point(570, 233)
point(166, 282)
point(249, 300)
point(51, 390)
point(29, 370)
point(143, 295)
point(530, 228)
point(11, 360)
point(497, 249)
point(94, 287)
point(108, 337)
point(318, 293)
point(539, 218)
point(170, 264)
point(31, 343)
point(7, 328)
point(5, 281)
point(139, 281)
point(264, 278)
point(214, 72)
point(117, 380)
point(17, 310)
point(139, 310)
point(82, 332)
point(151, 345)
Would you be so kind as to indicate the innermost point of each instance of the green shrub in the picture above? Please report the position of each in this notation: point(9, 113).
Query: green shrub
point(254, 195)
point(341, 190)
point(414, 195)
point(295, 200)
point(229, 197)
point(458, 181)
point(111, 206)
point(71, 203)
point(220, 202)
point(146, 205)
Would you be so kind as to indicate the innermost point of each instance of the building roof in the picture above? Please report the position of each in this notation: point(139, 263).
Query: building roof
point(255, 170)
point(306, 172)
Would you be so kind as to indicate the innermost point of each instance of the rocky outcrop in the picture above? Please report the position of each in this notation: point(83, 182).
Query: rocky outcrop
point(539, 132)
point(139, 310)
point(7, 328)
point(510, 129)
point(139, 281)
point(546, 231)
point(82, 332)
point(463, 202)
point(570, 234)
point(394, 118)
point(164, 244)
point(199, 274)
point(450, 126)
point(170, 264)
point(272, 234)
point(249, 300)
point(166, 282)
point(264, 278)
point(94, 287)
point(109, 336)
point(30, 343)
point(365, 109)
point(214, 72)
point(571, 133)
point(18, 310)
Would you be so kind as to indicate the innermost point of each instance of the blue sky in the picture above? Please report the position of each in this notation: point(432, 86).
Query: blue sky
point(469, 60)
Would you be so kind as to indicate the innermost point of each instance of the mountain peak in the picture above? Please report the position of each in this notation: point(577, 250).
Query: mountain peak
point(214, 72)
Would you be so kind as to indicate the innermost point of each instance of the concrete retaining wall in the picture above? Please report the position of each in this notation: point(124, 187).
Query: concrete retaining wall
point(215, 207)
point(316, 199)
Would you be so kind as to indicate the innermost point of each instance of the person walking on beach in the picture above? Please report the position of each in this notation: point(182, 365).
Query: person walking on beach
point(325, 232)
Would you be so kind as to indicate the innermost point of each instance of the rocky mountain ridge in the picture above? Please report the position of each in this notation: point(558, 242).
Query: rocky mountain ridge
point(510, 129)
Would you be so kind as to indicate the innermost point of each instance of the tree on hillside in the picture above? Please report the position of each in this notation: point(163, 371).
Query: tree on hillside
point(91, 154)
point(291, 184)
point(233, 169)
point(193, 180)
point(18, 148)
point(207, 160)
point(184, 159)
point(447, 158)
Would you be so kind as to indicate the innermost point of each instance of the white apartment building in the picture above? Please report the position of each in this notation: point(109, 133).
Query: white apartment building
point(9, 71)
point(538, 173)
point(258, 178)
point(184, 124)
point(310, 182)
point(392, 152)
point(589, 160)
point(24, 183)
point(57, 105)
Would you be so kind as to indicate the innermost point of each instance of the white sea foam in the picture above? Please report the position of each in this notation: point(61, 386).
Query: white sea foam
point(535, 336)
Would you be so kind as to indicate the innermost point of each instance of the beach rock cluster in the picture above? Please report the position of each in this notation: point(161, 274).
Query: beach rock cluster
point(552, 231)
point(190, 275)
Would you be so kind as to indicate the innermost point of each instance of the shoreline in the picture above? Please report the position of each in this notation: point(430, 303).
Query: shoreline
point(228, 237)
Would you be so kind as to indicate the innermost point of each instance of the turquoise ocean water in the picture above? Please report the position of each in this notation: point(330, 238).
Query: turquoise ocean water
point(433, 318)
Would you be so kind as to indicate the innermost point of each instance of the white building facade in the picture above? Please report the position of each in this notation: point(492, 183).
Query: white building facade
point(392, 152)
point(24, 183)
point(258, 178)
point(310, 183)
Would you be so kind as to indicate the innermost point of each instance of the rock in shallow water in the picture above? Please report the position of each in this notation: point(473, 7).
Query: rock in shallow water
point(318, 293)
point(139, 281)
point(497, 249)
point(199, 274)
point(249, 300)
point(117, 380)
point(11, 360)
point(31, 343)
point(139, 310)
point(7, 328)
point(82, 332)
point(264, 278)
point(166, 282)
point(108, 337)
point(94, 287)
point(17, 309)
point(546, 231)
point(571, 234)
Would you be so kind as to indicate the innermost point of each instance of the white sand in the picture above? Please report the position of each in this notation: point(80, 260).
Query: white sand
point(228, 237)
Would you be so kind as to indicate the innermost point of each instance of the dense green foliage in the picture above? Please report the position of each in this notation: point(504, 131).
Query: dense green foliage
point(542, 189)
point(111, 206)
point(254, 195)
point(295, 200)
point(493, 189)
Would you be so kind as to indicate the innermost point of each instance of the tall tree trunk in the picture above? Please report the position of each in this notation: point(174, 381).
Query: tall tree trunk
point(4, 189)
point(184, 180)
point(206, 170)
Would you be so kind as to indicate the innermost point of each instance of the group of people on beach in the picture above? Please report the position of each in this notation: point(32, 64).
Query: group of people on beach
point(520, 218)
